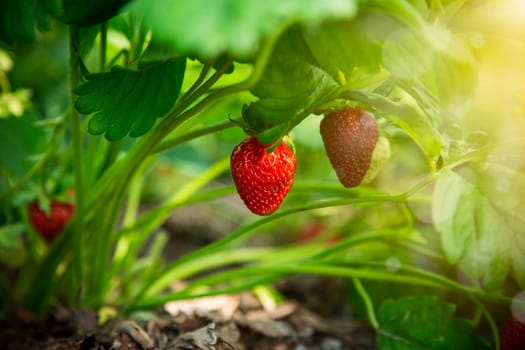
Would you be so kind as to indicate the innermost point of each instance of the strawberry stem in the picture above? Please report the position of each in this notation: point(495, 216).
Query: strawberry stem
point(74, 119)
point(369, 305)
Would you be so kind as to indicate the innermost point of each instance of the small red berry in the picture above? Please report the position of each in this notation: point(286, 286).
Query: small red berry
point(310, 232)
point(512, 334)
point(350, 137)
point(262, 178)
point(50, 225)
point(313, 231)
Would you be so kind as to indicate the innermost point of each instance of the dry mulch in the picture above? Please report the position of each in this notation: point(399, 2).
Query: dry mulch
point(213, 323)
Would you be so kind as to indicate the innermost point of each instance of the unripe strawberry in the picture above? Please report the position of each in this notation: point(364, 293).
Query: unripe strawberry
point(50, 225)
point(350, 137)
point(262, 178)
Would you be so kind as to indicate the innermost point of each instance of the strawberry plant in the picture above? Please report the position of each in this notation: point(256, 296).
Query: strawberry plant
point(407, 148)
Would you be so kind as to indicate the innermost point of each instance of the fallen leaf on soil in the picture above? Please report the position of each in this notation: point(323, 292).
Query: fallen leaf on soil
point(224, 305)
point(129, 329)
point(203, 339)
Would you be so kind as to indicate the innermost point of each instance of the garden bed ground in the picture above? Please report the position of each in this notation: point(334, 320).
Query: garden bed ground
point(223, 322)
point(315, 314)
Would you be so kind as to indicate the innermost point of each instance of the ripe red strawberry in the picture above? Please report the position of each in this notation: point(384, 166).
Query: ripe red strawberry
point(50, 226)
point(512, 335)
point(350, 137)
point(262, 178)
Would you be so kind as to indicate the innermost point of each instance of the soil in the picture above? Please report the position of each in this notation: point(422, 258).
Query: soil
point(212, 323)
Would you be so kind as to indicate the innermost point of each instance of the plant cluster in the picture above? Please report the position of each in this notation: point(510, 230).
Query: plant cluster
point(100, 100)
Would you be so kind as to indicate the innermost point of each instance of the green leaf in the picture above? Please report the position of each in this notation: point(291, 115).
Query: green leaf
point(421, 6)
point(126, 101)
point(290, 89)
point(479, 213)
point(88, 13)
point(453, 77)
point(433, 57)
point(406, 54)
point(362, 43)
point(207, 29)
point(341, 46)
point(419, 323)
point(427, 59)
point(402, 10)
point(20, 20)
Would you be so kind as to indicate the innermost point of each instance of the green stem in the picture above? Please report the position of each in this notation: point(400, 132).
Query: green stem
point(44, 280)
point(50, 151)
point(334, 188)
point(176, 141)
point(5, 86)
point(490, 320)
point(258, 68)
point(139, 34)
point(300, 268)
point(179, 271)
point(106, 204)
point(240, 287)
point(148, 221)
point(124, 170)
point(134, 195)
point(101, 265)
point(446, 282)
point(103, 45)
point(357, 239)
point(74, 79)
point(96, 147)
point(216, 259)
point(121, 171)
point(367, 301)
point(420, 249)
point(176, 117)
point(245, 231)
point(113, 61)
point(154, 219)
point(190, 93)
point(263, 57)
